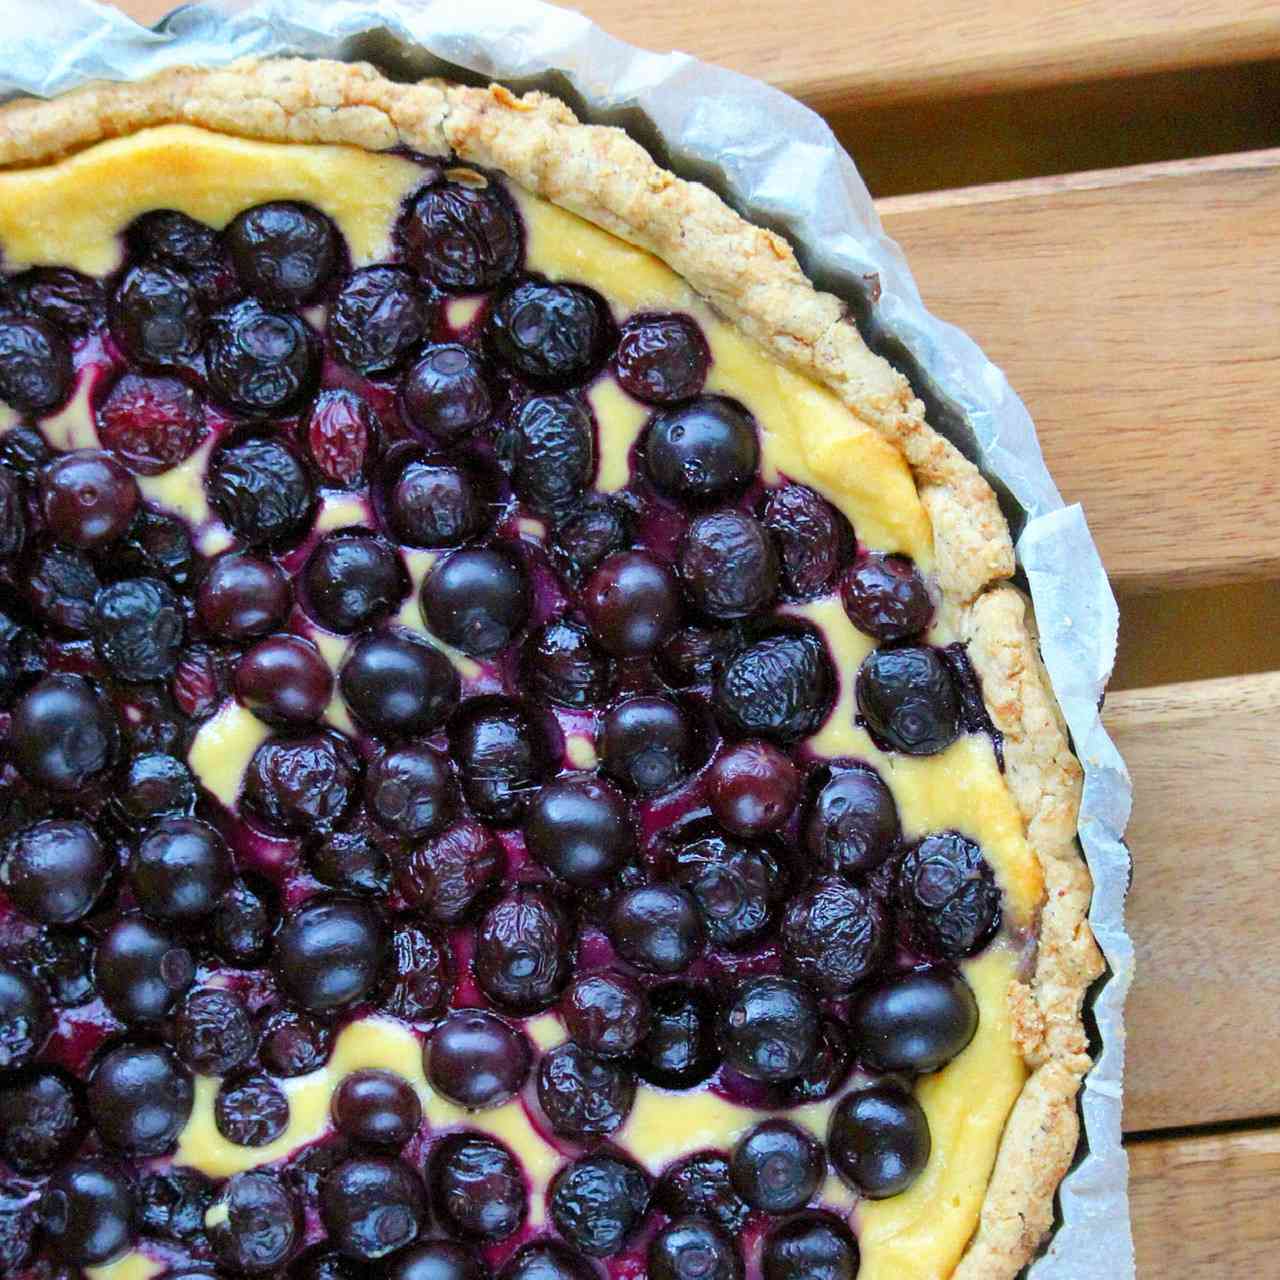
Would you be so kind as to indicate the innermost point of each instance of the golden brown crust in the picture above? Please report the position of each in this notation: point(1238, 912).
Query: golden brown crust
point(752, 277)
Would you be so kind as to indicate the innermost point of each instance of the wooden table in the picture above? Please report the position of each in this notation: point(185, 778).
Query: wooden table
point(1092, 191)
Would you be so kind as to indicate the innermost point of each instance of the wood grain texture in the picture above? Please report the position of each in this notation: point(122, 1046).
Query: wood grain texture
point(1138, 314)
point(1204, 1208)
point(1204, 1014)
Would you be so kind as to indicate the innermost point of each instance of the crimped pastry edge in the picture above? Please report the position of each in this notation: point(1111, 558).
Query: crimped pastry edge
point(749, 275)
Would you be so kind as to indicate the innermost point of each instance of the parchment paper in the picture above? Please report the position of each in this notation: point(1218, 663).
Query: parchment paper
point(777, 162)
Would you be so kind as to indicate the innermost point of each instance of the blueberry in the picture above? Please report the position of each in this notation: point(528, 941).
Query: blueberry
point(379, 317)
point(462, 238)
point(450, 876)
point(770, 1029)
point(138, 628)
point(341, 433)
point(547, 1260)
point(398, 686)
point(476, 600)
point(302, 786)
point(583, 1096)
point(598, 1202)
point(549, 449)
point(150, 424)
point(693, 1249)
point(810, 1246)
point(180, 869)
point(852, 825)
point(752, 787)
point(551, 334)
point(26, 1019)
point(212, 1032)
point(353, 581)
point(240, 925)
point(446, 393)
point(606, 1013)
point(728, 565)
point(251, 1111)
point(476, 1059)
point(908, 699)
point(698, 452)
point(738, 887)
point(647, 744)
point(418, 985)
point(157, 316)
point(477, 1188)
point(833, 935)
point(813, 539)
point(437, 1260)
point(19, 1223)
point(172, 1203)
point(41, 1118)
point(173, 237)
point(680, 1049)
point(255, 1223)
point(377, 1107)
point(781, 687)
point(777, 1167)
point(285, 681)
point(372, 1206)
point(62, 734)
point(410, 791)
point(631, 603)
point(593, 530)
point(563, 665)
point(23, 450)
point(156, 546)
point(60, 586)
point(879, 1140)
point(915, 1021)
point(501, 755)
point(143, 970)
point(330, 953)
point(826, 1071)
point(262, 363)
point(886, 597)
point(524, 952)
point(261, 490)
point(88, 498)
point(13, 515)
point(63, 960)
point(140, 1097)
point(53, 871)
point(434, 504)
point(322, 1263)
point(695, 655)
point(293, 1044)
point(86, 1212)
point(155, 786)
point(65, 298)
point(579, 829)
point(35, 365)
point(948, 896)
point(657, 928)
point(197, 687)
point(661, 359)
point(284, 252)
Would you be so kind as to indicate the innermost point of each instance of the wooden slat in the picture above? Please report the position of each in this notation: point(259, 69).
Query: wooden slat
point(1138, 313)
point(1204, 1208)
point(1204, 1014)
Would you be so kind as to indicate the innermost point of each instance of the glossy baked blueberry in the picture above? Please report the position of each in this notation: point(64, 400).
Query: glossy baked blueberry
point(550, 334)
point(477, 1187)
point(418, 984)
point(450, 876)
point(240, 925)
point(701, 1186)
point(330, 953)
point(728, 565)
point(738, 887)
point(410, 792)
point(547, 1260)
point(606, 1013)
point(851, 827)
point(261, 362)
point(437, 1260)
point(155, 786)
point(173, 237)
point(372, 1206)
point(212, 1032)
point(41, 1117)
point(304, 785)
point(661, 359)
point(908, 699)
point(35, 365)
point(524, 952)
point(596, 528)
point(657, 928)
point(63, 297)
point(180, 869)
point(879, 1140)
point(810, 1246)
point(826, 1071)
point(583, 1096)
point(251, 1111)
point(647, 744)
point(150, 423)
point(598, 1202)
point(140, 1097)
point(579, 828)
point(632, 603)
point(446, 392)
point(63, 734)
point(813, 539)
point(680, 1049)
point(477, 1059)
point(695, 655)
point(833, 935)
point(261, 490)
point(143, 969)
point(341, 432)
point(157, 546)
point(26, 1019)
point(242, 596)
point(322, 1263)
point(915, 1021)
point(780, 688)
point(88, 498)
point(255, 1224)
point(702, 451)
point(86, 1213)
point(462, 237)
point(54, 870)
point(398, 686)
point(434, 504)
point(293, 1043)
point(13, 515)
point(769, 1028)
point(379, 317)
point(138, 628)
point(476, 600)
point(284, 252)
point(501, 754)
point(694, 1249)
point(63, 960)
point(563, 665)
point(353, 581)
point(948, 896)
point(60, 586)
point(157, 316)
point(549, 450)
point(171, 1203)
point(777, 1167)
point(285, 681)
point(752, 787)
point(886, 597)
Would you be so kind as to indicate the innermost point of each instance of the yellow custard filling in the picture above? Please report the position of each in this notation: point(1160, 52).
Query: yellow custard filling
point(72, 213)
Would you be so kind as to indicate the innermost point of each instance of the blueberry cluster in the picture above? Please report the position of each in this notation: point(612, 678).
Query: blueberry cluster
point(706, 907)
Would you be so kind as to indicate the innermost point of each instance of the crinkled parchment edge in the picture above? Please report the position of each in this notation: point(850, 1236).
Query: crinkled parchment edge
point(751, 276)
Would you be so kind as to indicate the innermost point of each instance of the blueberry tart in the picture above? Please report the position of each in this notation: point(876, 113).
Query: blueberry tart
point(518, 757)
